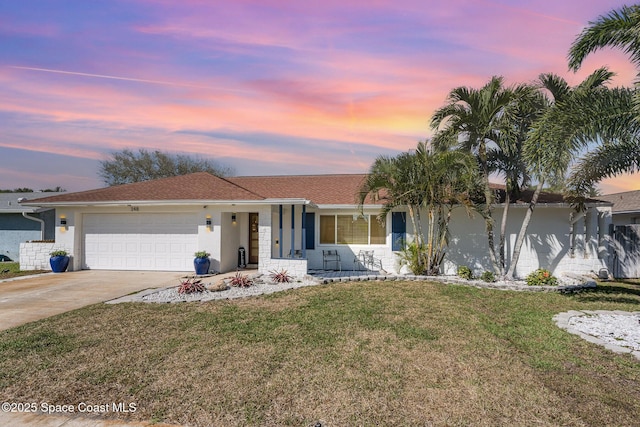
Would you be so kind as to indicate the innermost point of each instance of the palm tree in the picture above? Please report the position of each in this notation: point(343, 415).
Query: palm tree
point(619, 153)
point(508, 159)
point(434, 180)
point(481, 121)
point(450, 179)
point(398, 182)
point(571, 119)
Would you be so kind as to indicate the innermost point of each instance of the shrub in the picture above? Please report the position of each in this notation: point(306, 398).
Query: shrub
point(488, 276)
point(241, 281)
point(202, 254)
point(281, 276)
point(190, 285)
point(59, 252)
point(541, 277)
point(414, 257)
point(465, 272)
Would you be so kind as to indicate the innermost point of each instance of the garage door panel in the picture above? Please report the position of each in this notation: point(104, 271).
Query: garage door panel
point(140, 242)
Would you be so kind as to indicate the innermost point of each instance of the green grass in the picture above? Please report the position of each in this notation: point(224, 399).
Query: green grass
point(366, 353)
point(12, 269)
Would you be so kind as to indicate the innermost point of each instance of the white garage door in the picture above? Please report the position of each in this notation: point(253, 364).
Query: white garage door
point(140, 241)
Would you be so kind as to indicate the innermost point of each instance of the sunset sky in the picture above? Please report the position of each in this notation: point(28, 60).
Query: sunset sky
point(267, 87)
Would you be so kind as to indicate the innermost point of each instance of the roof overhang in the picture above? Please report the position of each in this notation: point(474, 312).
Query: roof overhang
point(554, 205)
point(112, 203)
point(34, 209)
point(350, 207)
point(627, 212)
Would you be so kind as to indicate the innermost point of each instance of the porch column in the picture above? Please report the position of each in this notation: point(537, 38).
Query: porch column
point(591, 222)
point(280, 232)
point(604, 242)
point(303, 238)
point(293, 231)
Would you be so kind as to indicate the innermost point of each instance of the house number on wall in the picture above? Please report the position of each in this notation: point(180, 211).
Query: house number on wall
point(134, 208)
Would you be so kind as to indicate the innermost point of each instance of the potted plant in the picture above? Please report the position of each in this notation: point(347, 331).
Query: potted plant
point(59, 261)
point(202, 262)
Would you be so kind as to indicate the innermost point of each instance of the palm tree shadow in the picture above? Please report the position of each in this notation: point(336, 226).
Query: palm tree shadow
point(613, 292)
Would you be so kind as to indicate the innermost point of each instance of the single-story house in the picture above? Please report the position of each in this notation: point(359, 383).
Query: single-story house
point(20, 223)
point(290, 222)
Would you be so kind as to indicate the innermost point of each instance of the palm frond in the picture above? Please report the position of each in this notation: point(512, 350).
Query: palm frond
point(618, 28)
point(607, 161)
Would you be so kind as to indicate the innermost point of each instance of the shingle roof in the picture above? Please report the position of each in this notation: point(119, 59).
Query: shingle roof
point(195, 186)
point(527, 195)
point(320, 189)
point(629, 201)
point(339, 189)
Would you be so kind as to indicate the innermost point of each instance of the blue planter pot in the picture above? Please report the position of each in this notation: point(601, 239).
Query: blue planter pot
point(202, 265)
point(59, 263)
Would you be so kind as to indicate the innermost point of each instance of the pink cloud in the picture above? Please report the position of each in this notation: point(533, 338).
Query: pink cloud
point(330, 71)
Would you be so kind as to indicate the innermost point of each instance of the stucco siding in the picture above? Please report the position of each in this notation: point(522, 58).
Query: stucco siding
point(551, 242)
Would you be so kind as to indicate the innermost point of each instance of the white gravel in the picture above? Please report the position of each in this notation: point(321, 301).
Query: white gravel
point(619, 329)
point(169, 295)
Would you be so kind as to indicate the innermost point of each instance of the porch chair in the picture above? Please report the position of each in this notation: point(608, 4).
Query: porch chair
point(331, 256)
point(368, 260)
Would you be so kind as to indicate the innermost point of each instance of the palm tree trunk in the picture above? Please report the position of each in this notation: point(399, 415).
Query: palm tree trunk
point(417, 228)
point(488, 220)
point(503, 232)
point(431, 237)
point(488, 200)
point(523, 231)
point(444, 230)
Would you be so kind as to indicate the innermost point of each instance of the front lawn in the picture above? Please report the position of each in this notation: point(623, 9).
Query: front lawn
point(365, 353)
point(12, 269)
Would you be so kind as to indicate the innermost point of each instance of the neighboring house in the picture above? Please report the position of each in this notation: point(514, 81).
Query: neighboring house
point(20, 223)
point(159, 224)
point(625, 233)
point(626, 207)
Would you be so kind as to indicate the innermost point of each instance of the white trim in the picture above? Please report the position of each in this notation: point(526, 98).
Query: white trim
point(356, 207)
point(630, 212)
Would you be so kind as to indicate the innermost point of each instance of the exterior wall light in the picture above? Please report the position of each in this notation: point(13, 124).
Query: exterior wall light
point(208, 222)
point(63, 223)
point(233, 218)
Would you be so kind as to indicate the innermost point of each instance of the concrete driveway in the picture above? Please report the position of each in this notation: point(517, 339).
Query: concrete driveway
point(24, 300)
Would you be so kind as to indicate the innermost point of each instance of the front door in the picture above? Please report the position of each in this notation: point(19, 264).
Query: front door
point(254, 238)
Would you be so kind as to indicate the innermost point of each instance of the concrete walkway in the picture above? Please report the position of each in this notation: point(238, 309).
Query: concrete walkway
point(26, 299)
point(43, 420)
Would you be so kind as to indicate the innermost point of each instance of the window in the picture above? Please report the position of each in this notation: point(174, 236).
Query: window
point(378, 231)
point(352, 230)
point(327, 230)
